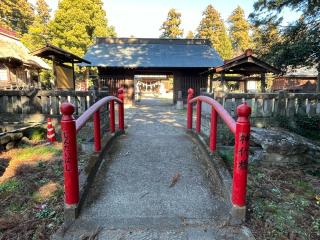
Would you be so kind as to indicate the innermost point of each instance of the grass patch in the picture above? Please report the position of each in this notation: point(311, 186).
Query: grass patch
point(31, 193)
point(11, 185)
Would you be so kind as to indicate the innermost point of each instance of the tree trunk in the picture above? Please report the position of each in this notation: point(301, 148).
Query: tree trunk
point(318, 80)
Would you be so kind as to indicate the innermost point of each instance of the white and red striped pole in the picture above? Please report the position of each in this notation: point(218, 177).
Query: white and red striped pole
point(51, 134)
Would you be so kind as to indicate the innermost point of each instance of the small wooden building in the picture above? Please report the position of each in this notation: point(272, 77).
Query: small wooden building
point(303, 80)
point(18, 69)
point(63, 66)
point(119, 60)
point(245, 69)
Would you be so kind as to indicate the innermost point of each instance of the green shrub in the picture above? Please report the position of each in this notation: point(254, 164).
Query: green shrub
point(301, 124)
point(37, 133)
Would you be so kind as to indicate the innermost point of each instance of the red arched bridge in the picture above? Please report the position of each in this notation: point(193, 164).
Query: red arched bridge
point(130, 197)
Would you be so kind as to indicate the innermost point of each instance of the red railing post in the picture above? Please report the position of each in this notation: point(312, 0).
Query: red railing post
point(213, 130)
point(121, 109)
point(198, 119)
point(70, 162)
point(189, 108)
point(112, 118)
point(241, 154)
point(96, 130)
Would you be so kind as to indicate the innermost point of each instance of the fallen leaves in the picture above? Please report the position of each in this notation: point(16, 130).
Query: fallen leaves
point(175, 179)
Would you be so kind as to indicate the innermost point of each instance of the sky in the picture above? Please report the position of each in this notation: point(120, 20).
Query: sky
point(143, 18)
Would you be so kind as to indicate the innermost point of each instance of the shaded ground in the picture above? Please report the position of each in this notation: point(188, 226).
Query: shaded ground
point(152, 185)
point(31, 192)
point(283, 202)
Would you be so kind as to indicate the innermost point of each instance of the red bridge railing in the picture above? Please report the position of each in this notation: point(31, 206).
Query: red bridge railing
point(69, 129)
point(241, 130)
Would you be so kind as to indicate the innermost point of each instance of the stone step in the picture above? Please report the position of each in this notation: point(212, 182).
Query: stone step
point(154, 228)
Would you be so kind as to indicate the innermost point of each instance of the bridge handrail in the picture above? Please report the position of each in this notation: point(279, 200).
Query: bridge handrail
point(241, 131)
point(226, 117)
point(81, 121)
point(69, 129)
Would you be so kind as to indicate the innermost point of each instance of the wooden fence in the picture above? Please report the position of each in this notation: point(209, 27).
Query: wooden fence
point(46, 102)
point(267, 105)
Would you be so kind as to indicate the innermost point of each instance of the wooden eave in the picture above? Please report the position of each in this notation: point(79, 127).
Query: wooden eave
point(245, 64)
point(54, 53)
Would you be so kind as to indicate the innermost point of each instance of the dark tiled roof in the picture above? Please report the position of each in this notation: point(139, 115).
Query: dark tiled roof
point(153, 53)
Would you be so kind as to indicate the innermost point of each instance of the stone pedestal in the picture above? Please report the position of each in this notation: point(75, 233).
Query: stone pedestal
point(179, 104)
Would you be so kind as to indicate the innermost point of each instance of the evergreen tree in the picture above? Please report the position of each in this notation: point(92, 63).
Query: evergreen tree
point(171, 27)
point(77, 23)
point(212, 27)
point(239, 31)
point(190, 35)
point(300, 43)
point(37, 35)
point(16, 15)
point(265, 38)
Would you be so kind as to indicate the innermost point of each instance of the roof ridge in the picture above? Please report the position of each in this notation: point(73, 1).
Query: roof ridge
point(176, 41)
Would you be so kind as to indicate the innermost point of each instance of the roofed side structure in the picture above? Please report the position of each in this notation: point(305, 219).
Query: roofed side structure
point(18, 68)
point(245, 64)
point(60, 55)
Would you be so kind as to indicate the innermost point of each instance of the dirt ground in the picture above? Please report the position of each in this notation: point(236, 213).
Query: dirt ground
point(283, 202)
point(31, 192)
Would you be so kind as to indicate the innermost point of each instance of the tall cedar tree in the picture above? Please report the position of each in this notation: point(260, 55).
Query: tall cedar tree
point(265, 38)
point(77, 23)
point(190, 35)
point(239, 31)
point(212, 27)
point(37, 35)
point(300, 43)
point(171, 27)
point(16, 15)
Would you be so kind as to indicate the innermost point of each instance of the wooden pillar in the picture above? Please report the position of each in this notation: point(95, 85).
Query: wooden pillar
point(211, 79)
point(73, 77)
point(54, 73)
point(223, 81)
point(263, 82)
point(245, 86)
point(176, 85)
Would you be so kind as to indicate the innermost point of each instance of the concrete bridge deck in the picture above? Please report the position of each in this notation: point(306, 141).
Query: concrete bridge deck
point(131, 197)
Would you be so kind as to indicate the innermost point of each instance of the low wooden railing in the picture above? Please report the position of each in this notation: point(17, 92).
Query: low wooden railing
point(46, 102)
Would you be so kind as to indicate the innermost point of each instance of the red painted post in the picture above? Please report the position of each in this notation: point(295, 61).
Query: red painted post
point(112, 118)
point(189, 108)
point(96, 130)
point(213, 130)
point(121, 109)
point(198, 119)
point(70, 160)
point(241, 154)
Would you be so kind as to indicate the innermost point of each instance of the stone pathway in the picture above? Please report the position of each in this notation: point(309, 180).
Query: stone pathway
point(132, 197)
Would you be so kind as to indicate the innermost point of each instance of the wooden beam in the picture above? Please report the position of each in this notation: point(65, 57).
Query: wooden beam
point(263, 82)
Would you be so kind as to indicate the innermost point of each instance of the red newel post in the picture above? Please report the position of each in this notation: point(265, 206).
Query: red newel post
point(241, 154)
point(112, 119)
point(189, 108)
point(198, 119)
point(96, 130)
point(70, 160)
point(213, 130)
point(121, 108)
